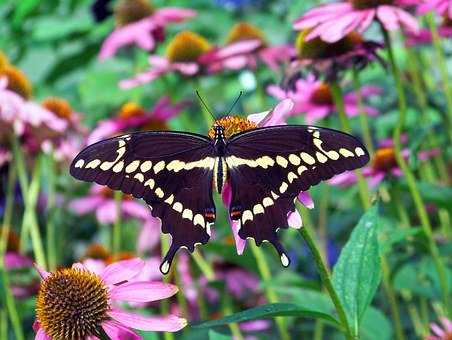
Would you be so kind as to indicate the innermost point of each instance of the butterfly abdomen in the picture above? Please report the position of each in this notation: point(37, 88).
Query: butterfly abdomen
point(220, 173)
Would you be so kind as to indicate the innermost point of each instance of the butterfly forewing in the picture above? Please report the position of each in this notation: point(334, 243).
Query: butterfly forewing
point(171, 171)
point(270, 166)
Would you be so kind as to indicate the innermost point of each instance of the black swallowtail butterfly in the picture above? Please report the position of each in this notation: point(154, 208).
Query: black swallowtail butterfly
point(175, 173)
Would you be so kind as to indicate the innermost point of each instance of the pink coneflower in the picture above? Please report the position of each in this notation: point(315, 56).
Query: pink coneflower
point(100, 200)
point(425, 35)
point(236, 124)
point(441, 333)
point(334, 21)
point(77, 303)
point(132, 116)
point(383, 164)
point(442, 7)
point(186, 54)
point(138, 23)
point(313, 98)
point(245, 46)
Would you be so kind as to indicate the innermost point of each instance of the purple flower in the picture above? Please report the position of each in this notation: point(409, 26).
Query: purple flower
point(89, 300)
point(334, 21)
point(424, 36)
point(132, 117)
point(187, 55)
point(383, 164)
point(313, 98)
point(143, 33)
point(442, 7)
point(441, 333)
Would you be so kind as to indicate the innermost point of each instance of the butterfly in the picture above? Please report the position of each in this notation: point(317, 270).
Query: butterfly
point(176, 173)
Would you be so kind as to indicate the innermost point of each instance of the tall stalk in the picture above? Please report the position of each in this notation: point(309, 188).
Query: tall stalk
point(411, 180)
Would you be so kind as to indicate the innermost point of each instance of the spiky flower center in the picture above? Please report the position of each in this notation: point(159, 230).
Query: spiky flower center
point(3, 60)
point(322, 95)
point(232, 125)
point(129, 110)
point(187, 46)
point(17, 81)
point(59, 107)
point(129, 11)
point(72, 304)
point(97, 251)
point(319, 49)
point(364, 4)
point(384, 159)
point(245, 31)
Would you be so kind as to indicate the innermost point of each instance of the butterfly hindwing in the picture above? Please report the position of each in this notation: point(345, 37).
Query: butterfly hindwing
point(270, 166)
point(171, 171)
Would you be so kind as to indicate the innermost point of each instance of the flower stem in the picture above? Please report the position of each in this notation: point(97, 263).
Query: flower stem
point(30, 220)
point(6, 225)
point(50, 227)
point(325, 276)
point(340, 106)
point(265, 274)
point(411, 180)
point(364, 122)
point(203, 265)
point(442, 69)
point(116, 232)
point(164, 304)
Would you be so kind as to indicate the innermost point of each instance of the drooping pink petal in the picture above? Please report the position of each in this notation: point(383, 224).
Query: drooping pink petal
point(172, 14)
point(344, 179)
point(294, 219)
point(122, 271)
point(407, 21)
point(170, 323)
point(149, 235)
point(41, 271)
point(276, 116)
point(239, 48)
point(103, 130)
point(388, 17)
point(107, 212)
point(135, 209)
point(186, 68)
point(94, 266)
point(41, 335)
point(142, 78)
point(437, 330)
point(376, 178)
point(142, 291)
point(86, 204)
point(226, 196)
point(116, 331)
point(305, 198)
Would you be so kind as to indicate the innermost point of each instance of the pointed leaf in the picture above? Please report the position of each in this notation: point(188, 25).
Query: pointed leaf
point(357, 273)
point(268, 311)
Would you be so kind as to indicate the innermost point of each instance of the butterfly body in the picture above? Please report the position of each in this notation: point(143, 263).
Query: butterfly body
point(176, 173)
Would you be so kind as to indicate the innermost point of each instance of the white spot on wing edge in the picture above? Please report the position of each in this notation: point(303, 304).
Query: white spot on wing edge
point(79, 163)
point(93, 164)
point(359, 151)
point(247, 215)
point(159, 167)
point(346, 153)
point(284, 260)
point(164, 267)
point(146, 166)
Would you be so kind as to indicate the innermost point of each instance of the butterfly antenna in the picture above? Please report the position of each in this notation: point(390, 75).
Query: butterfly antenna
point(205, 105)
point(235, 102)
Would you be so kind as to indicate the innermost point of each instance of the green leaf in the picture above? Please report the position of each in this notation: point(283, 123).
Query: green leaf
point(218, 336)
point(440, 195)
point(357, 273)
point(375, 325)
point(268, 311)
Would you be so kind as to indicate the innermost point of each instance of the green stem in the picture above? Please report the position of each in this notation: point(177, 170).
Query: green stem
point(340, 107)
point(11, 306)
point(325, 276)
point(363, 119)
point(116, 232)
point(203, 265)
point(442, 68)
point(265, 274)
point(164, 304)
point(392, 298)
point(50, 227)
point(411, 180)
point(3, 324)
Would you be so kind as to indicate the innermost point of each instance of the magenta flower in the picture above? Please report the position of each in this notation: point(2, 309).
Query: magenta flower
point(268, 118)
point(383, 164)
point(334, 21)
point(441, 333)
point(132, 117)
point(442, 7)
point(144, 32)
point(313, 98)
point(425, 37)
point(17, 114)
point(187, 55)
point(245, 47)
point(88, 302)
